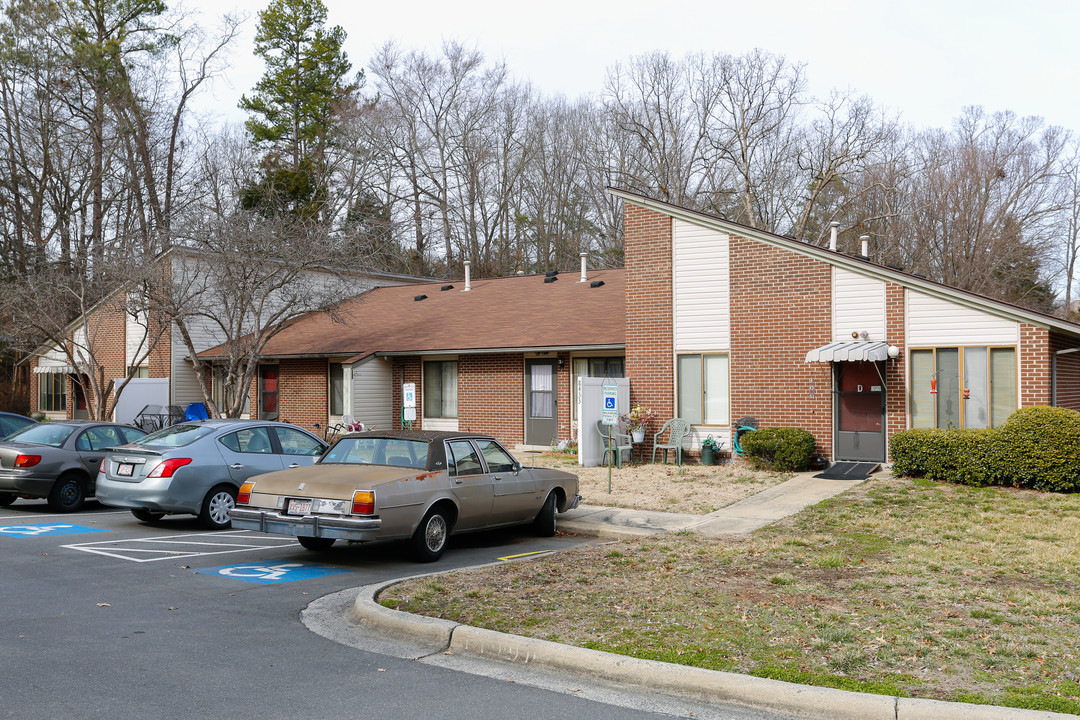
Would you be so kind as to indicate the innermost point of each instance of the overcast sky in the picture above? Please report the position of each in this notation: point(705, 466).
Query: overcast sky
point(924, 58)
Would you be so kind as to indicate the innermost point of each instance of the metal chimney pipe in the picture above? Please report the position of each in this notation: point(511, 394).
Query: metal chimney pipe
point(584, 272)
point(865, 245)
point(833, 229)
point(468, 276)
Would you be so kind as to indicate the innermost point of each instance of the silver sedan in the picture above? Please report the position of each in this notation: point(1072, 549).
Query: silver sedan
point(197, 468)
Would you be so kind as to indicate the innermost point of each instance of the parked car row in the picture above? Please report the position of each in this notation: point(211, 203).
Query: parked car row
point(278, 478)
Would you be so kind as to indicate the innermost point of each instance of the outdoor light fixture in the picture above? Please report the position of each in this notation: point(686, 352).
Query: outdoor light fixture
point(893, 351)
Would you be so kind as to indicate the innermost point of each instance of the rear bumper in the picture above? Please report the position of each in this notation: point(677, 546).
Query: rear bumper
point(20, 483)
point(339, 528)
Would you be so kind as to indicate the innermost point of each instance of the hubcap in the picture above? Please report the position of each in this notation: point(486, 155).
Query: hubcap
point(220, 505)
point(435, 533)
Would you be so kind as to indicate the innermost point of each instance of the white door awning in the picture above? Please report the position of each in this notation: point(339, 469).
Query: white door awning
point(54, 369)
point(861, 350)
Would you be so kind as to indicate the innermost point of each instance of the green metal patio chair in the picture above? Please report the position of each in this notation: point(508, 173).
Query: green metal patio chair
point(677, 430)
point(619, 441)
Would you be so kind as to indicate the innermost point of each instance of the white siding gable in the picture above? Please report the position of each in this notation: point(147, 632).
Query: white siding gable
point(935, 322)
point(136, 335)
point(701, 287)
point(858, 305)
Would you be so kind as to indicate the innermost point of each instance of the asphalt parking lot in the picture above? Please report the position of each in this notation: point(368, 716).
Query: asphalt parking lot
point(102, 616)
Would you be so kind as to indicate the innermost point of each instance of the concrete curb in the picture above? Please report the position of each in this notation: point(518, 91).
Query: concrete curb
point(709, 685)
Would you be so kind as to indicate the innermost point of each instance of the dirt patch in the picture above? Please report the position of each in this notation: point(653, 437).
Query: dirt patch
point(692, 489)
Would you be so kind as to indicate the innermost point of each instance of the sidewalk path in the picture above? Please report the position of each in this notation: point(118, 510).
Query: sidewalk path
point(745, 516)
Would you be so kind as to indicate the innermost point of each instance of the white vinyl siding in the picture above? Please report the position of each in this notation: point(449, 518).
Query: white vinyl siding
point(135, 332)
point(701, 287)
point(858, 305)
point(185, 385)
point(372, 393)
point(931, 321)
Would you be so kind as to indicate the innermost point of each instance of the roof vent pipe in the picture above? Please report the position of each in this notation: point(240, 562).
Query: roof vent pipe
point(468, 276)
point(833, 229)
point(865, 245)
point(584, 269)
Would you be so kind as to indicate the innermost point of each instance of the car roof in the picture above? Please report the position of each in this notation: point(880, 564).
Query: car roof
point(421, 435)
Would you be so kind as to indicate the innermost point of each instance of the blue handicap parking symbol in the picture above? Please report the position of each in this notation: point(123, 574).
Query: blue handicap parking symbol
point(46, 530)
point(609, 403)
point(271, 572)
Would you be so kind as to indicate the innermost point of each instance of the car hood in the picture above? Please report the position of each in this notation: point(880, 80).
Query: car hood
point(331, 481)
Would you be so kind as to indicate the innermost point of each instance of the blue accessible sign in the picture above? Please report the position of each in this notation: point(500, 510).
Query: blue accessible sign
point(271, 572)
point(46, 530)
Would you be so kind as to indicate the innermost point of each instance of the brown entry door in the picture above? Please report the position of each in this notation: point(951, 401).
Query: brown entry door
point(541, 402)
point(860, 412)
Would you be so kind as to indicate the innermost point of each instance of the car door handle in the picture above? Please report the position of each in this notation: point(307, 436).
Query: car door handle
point(93, 460)
point(293, 465)
point(496, 477)
point(236, 466)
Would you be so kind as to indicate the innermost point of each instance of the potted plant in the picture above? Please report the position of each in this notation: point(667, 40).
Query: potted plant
point(709, 447)
point(636, 420)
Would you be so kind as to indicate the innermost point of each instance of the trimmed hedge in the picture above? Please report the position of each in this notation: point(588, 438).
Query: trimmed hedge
point(1037, 447)
point(779, 448)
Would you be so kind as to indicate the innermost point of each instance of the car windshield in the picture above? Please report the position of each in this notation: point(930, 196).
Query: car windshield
point(51, 434)
point(378, 451)
point(175, 436)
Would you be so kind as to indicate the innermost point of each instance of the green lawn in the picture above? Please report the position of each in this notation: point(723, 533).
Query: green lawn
point(898, 587)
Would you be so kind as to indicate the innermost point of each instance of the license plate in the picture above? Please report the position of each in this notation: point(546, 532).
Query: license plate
point(299, 507)
point(125, 469)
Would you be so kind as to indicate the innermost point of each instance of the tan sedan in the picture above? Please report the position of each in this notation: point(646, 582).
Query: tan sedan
point(415, 485)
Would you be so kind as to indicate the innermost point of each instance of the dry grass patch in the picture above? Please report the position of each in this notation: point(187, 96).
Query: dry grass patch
point(691, 489)
point(895, 587)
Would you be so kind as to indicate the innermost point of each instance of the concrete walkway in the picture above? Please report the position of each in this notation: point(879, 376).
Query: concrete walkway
point(757, 511)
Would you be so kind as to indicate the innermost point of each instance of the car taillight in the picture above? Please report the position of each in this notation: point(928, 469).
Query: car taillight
point(363, 502)
point(101, 467)
point(27, 460)
point(168, 467)
point(244, 496)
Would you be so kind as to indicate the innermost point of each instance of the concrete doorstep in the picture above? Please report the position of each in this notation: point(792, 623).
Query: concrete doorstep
point(434, 635)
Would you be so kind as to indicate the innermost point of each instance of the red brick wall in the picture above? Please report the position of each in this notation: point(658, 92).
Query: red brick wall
point(303, 392)
point(647, 247)
point(1068, 372)
point(780, 309)
point(895, 369)
point(491, 394)
point(1034, 365)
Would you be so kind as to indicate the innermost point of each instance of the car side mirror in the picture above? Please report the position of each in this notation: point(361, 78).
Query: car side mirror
point(516, 467)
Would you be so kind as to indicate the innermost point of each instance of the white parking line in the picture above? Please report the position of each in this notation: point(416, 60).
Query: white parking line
point(26, 513)
point(172, 547)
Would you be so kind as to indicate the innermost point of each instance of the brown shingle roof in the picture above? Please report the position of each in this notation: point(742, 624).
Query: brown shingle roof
point(496, 314)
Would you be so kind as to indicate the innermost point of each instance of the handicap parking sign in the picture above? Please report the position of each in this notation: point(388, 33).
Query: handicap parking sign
point(46, 530)
point(271, 572)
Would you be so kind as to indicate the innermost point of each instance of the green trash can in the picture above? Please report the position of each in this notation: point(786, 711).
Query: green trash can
point(708, 454)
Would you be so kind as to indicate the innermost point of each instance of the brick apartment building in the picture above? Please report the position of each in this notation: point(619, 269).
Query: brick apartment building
point(710, 320)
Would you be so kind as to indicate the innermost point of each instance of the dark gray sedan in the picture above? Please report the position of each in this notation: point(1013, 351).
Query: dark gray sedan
point(196, 468)
point(58, 460)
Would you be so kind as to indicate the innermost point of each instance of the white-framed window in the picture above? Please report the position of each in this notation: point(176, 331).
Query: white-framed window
point(52, 392)
point(703, 392)
point(222, 399)
point(962, 387)
point(440, 389)
point(139, 371)
point(337, 388)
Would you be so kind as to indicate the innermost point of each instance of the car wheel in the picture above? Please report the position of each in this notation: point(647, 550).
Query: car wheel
point(147, 516)
point(7, 498)
point(216, 506)
point(544, 524)
point(429, 540)
point(67, 494)
point(315, 543)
